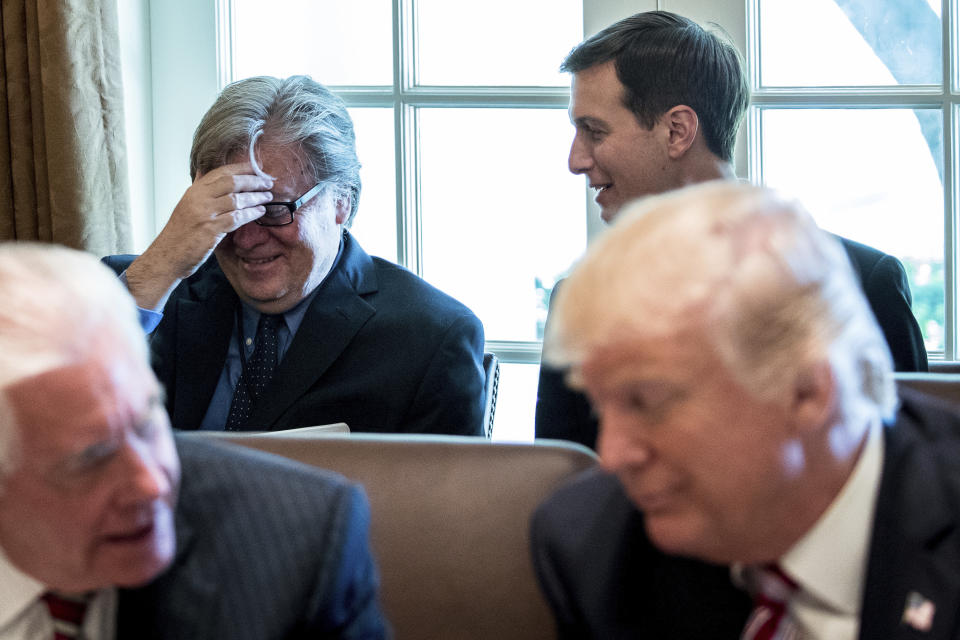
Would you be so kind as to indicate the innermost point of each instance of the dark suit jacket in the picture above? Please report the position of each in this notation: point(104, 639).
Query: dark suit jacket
point(886, 288)
point(267, 549)
point(604, 579)
point(566, 414)
point(378, 348)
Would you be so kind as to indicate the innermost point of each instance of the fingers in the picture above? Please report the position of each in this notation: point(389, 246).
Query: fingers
point(232, 178)
point(243, 200)
point(240, 217)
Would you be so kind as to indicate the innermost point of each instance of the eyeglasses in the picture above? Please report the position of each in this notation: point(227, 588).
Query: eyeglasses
point(281, 213)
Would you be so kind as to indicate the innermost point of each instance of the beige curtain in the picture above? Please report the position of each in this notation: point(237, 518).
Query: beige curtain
point(63, 169)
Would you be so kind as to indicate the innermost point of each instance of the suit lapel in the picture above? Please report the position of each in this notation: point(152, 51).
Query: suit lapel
point(913, 552)
point(336, 314)
point(203, 337)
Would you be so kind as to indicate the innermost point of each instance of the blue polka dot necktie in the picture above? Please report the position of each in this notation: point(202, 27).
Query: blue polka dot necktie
point(257, 373)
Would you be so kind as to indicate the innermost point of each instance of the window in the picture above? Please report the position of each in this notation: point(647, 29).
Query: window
point(464, 136)
point(856, 127)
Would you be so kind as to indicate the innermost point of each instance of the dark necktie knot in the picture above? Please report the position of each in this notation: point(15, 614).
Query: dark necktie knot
point(257, 372)
point(67, 613)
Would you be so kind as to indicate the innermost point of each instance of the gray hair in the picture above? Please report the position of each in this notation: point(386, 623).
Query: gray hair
point(58, 305)
point(296, 112)
point(774, 293)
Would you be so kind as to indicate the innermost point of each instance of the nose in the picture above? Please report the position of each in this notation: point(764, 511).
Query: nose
point(580, 159)
point(621, 443)
point(249, 235)
point(148, 478)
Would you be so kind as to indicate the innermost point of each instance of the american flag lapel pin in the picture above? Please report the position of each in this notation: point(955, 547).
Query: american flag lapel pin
point(918, 612)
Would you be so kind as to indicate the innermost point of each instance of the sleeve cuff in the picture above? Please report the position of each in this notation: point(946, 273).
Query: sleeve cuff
point(149, 319)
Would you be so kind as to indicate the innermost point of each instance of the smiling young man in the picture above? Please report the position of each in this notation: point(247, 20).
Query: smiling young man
point(742, 397)
point(349, 337)
point(111, 528)
point(656, 102)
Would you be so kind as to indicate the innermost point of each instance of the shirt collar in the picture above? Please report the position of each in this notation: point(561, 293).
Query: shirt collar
point(17, 591)
point(829, 562)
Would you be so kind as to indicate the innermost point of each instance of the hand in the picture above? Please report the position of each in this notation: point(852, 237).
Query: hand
point(214, 205)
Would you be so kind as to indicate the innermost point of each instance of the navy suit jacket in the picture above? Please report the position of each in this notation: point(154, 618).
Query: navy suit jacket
point(378, 348)
point(565, 414)
point(267, 549)
point(604, 578)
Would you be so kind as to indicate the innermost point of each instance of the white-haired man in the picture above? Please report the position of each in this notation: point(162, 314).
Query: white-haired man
point(742, 396)
point(109, 528)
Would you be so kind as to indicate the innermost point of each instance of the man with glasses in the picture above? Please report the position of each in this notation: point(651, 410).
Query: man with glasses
point(290, 323)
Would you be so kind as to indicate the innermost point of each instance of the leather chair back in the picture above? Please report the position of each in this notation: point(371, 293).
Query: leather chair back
point(945, 386)
point(450, 521)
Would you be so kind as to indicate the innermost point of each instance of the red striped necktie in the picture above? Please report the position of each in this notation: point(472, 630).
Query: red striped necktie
point(771, 589)
point(67, 613)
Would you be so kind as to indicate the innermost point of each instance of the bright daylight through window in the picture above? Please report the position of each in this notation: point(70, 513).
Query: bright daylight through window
point(463, 135)
point(855, 127)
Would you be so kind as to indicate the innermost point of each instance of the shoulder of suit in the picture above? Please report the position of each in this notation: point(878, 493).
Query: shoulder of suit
point(205, 282)
point(929, 418)
point(413, 291)
point(591, 494)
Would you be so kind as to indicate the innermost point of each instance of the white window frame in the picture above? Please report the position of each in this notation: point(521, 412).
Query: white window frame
point(905, 97)
point(173, 50)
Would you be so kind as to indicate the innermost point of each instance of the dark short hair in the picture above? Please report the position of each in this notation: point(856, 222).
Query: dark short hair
point(664, 60)
point(295, 111)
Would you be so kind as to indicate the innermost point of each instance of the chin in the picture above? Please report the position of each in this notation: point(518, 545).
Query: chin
point(672, 535)
point(140, 573)
point(607, 214)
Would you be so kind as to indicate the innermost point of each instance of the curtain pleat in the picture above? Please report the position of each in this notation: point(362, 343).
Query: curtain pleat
point(62, 148)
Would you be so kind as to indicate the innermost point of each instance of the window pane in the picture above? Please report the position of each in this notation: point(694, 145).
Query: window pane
point(496, 42)
point(850, 42)
point(334, 42)
point(375, 225)
point(869, 175)
point(516, 402)
point(502, 216)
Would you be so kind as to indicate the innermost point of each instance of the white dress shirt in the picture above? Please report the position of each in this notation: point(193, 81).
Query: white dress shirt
point(829, 563)
point(23, 616)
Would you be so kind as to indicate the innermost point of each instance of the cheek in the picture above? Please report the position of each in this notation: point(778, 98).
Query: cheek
point(170, 462)
point(46, 521)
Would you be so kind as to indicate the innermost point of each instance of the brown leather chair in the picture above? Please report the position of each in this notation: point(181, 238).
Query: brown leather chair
point(942, 385)
point(944, 366)
point(450, 519)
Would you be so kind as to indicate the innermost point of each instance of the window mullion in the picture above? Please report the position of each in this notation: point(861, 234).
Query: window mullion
point(405, 155)
point(950, 201)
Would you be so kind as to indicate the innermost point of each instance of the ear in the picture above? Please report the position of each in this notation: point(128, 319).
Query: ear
point(682, 125)
point(814, 398)
point(343, 208)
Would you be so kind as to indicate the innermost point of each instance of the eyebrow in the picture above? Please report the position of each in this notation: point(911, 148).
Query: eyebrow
point(588, 121)
point(104, 448)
